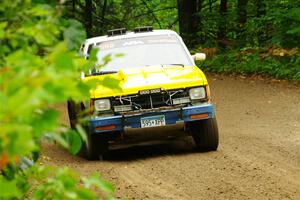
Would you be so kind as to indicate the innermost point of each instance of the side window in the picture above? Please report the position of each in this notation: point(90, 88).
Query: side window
point(82, 48)
point(89, 48)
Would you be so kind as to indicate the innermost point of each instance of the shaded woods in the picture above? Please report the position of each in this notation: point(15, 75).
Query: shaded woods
point(241, 36)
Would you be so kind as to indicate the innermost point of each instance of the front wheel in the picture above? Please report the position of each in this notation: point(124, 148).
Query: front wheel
point(95, 148)
point(205, 134)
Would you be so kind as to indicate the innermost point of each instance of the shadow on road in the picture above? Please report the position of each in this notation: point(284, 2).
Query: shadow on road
point(153, 149)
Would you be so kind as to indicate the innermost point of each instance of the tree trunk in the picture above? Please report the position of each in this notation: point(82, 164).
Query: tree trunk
point(260, 8)
point(242, 11)
point(242, 19)
point(210, 6)
point(102, 13)
point(222, 24)
point(187, 19)
point(89, 17)
point(73, 8)
point(261, 34)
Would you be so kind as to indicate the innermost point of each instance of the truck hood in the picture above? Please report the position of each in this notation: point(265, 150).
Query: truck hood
point(132, 80)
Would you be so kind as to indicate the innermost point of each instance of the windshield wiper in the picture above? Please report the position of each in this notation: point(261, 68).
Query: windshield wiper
point(162, 65)
point(174, 64)
point(103, 72)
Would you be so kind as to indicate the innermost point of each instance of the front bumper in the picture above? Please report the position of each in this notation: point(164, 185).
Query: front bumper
point(119, 122)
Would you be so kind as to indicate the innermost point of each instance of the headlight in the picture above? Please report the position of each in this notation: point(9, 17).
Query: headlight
point(197, 93)
point(102, 104)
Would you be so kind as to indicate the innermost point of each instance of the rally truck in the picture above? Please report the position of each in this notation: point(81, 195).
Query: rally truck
point(160, 87)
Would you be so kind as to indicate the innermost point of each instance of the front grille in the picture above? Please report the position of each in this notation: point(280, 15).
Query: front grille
point(150, 101)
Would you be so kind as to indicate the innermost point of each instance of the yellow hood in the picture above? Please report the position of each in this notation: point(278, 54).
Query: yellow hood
point(132, 80)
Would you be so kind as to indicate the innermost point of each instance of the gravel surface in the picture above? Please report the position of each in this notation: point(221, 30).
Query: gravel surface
point(258, 156)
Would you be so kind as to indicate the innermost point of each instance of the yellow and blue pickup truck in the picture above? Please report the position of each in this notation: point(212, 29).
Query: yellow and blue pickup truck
point(160, 86)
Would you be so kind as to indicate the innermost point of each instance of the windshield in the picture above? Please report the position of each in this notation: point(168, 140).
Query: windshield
point(143, 51)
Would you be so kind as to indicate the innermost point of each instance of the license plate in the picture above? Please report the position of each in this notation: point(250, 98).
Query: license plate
point(153, 121)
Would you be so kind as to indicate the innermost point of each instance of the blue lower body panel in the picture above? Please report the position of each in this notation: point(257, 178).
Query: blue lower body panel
point(172, 116)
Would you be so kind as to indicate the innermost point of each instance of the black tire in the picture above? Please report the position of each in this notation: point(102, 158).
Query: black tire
point(96, 148)
point(205, 134)
point(72, 114)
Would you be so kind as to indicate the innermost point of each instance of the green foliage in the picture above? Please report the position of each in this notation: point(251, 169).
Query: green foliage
point(253, 63)
point(9, 188)
point(39, 68)
point(269, 24)
point(286, 23)
point(65, 184)
point(111, 14)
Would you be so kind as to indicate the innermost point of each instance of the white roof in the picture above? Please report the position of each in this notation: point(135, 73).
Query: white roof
point(128, 35)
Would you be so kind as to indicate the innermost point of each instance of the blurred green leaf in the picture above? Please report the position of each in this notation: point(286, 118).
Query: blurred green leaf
point(9, 189)
point(74, 34)
point(95, 180)
point(39, 70)
point(112, 83)
point(93, 55)
point(61, 140)
point(2, 29)
point(63, 61)
point(81, 132)
point(74, 142)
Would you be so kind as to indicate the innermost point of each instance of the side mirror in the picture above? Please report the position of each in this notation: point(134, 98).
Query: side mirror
point(199, 56)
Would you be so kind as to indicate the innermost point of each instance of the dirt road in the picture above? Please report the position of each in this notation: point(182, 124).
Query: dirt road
point(258, 156)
